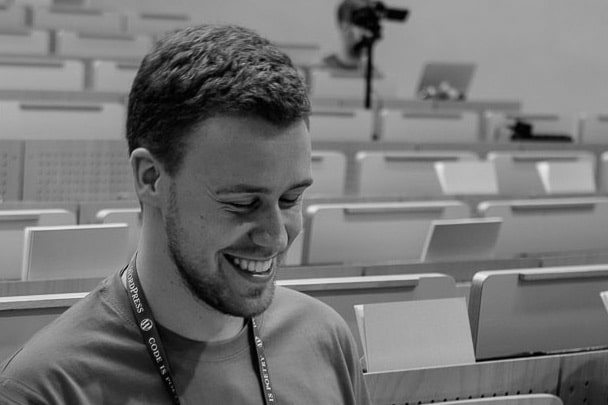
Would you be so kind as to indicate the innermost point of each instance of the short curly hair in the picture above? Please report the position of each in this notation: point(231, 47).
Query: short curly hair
point(204, 71)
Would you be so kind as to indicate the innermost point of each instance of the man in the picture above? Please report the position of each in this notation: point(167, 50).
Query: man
point(219, 145)
point(350, 55)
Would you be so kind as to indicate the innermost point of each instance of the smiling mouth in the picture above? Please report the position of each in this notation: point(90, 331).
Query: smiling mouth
point(250, 265)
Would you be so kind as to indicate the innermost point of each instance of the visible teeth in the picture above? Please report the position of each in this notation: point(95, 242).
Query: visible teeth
point(253, 266)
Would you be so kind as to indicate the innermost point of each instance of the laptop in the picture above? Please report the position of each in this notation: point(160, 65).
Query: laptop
point(445, 81)
point(461, 239)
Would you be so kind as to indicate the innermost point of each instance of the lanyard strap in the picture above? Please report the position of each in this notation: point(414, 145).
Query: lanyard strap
point(149, 332)
point(156, 350)
point(264, 371)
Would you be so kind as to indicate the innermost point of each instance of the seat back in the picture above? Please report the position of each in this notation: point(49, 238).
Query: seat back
point(129, 216)
point(12, 232)
point(403, 173)
point(329, 174)
point(341, 125)
point(525, 399)
point(573, 177)
point(73, 251)
point(522, 312)
point(517, 171)
point(543, 124)
point(534, 227)
point(47, 120)
point(372, 232)
point(467, 177)
point(430, 126)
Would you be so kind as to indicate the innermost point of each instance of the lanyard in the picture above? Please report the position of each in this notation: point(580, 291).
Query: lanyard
point(156, 350)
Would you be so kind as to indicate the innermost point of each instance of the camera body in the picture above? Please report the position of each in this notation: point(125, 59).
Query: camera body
point(369, 16)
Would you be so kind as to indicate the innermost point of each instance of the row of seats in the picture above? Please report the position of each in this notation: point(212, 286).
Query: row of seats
point(88, 170)
point(430, 125)
point(334, 233)
point(401, 231)
point(503, 307)
point(327, 124)
point(513, 314)
point(87, 20)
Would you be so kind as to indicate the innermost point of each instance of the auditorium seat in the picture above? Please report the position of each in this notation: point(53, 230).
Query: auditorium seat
point(25, 42)
point(342, 125)
point(547, 226)
point(593, 128)
point(22, 316)
point(517, 171)
point(88, 210)
point(115, 47)
point(371, 232)
point(74, 251)
point(146, 23)
point(572, 177)
point(77, 170)
point(486, 379)
point(429, 126)
point(543, 124)
point(525, 399)
point(129, 216)
point(467, 177)
point(41, 74)
point(403, 173)
point(61, 120)
point(77, 19)
point(12, 231)
point(329, 174)
point(301, 53)
point(112, 76)
point(13, 18)
point(334, 84)
point(525, 312)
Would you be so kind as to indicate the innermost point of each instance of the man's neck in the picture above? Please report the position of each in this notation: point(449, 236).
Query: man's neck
point(174, 306)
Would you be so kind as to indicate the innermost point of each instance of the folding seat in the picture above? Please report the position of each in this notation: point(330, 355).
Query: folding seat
point(403, 173)
point(518, 174)
point(546, 226)
point(12, 230)
point(329, 174)
point(430, 126)
point(525, 312)
point(41, 74)
point(342, 125)
point(77, 19)
point(371, 232)
point(74, 251)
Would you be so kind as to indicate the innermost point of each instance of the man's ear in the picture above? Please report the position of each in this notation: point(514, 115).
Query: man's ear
point(147, 174)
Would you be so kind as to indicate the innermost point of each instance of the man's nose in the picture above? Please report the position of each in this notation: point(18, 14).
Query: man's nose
point(271, 230)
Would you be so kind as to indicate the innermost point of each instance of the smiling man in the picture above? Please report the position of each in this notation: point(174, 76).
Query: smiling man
point(219, 144)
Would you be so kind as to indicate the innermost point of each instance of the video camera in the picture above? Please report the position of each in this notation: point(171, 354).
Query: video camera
point(369, 16)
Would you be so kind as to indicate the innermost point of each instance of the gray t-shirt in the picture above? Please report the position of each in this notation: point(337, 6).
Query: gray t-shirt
point(93, 354)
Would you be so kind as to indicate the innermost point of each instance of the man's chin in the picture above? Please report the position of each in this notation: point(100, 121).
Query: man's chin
point(250, 306)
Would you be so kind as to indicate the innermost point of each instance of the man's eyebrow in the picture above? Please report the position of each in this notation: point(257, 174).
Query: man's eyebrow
point(250, 189)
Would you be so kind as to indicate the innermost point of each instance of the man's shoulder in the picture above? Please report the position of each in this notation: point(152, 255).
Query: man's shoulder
point(81, 338)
